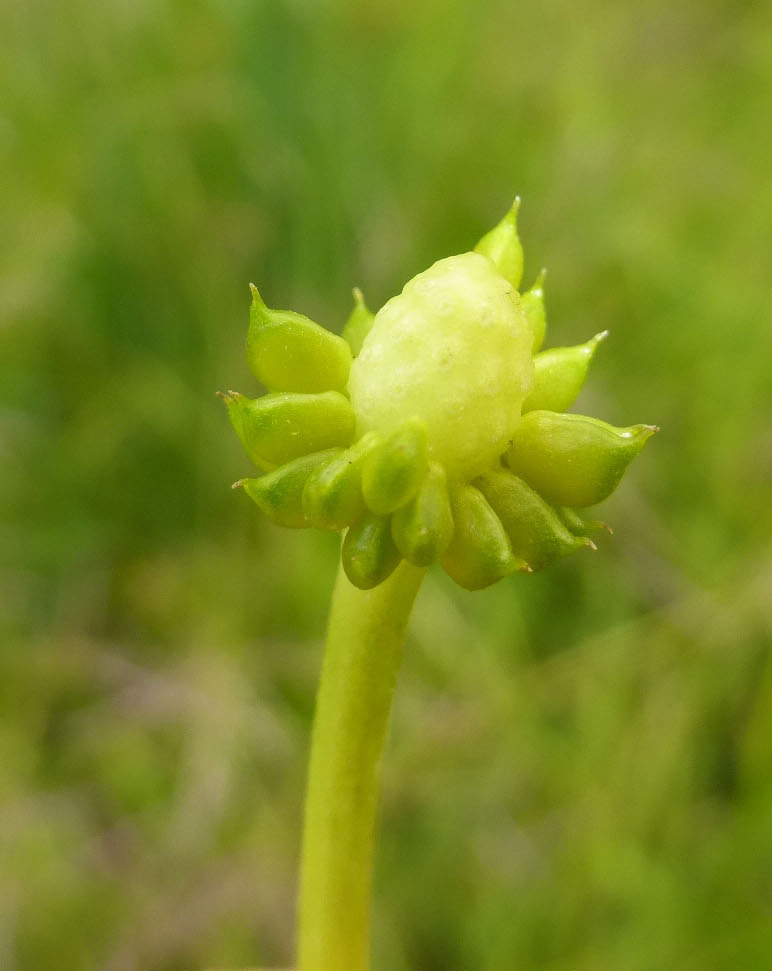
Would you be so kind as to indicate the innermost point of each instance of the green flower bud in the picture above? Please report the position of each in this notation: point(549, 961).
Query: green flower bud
point(532, 303)
point(280, 493)
point(480, 552)
point(368, 553)
point(453, 349)
point(578, 525)
point(395, 468)
point(559, 374)
point(423, 528)
point(288, 352)
point(279, 427)
point(503, 246)
point(332, 498)
point(534, 528)
point(572, 460)
point(358, 324)
point(434, 390)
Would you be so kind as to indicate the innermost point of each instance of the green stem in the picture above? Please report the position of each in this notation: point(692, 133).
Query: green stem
point(364, 649)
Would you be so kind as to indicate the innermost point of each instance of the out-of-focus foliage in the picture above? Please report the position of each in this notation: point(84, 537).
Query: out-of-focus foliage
point(580, 771)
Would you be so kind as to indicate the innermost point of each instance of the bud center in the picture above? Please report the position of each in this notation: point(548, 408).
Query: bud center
point(453, 349)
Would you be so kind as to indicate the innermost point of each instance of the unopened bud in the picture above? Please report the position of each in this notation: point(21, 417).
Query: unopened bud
point(434, 429)
point(532, 304)
point(423, 528)
point(279, 427)
point(480, 552)
point(534, 528)
point(332, 498)
point(288, 352)
point(395, 468)
point(368, 553)
point(280, 493)
point(502, 245)
point(572, 460)
point(358, 324)
point(559, 374)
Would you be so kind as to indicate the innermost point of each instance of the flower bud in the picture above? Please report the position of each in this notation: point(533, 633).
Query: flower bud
point(423, 528)
point(279, 427)
point(502, 245)
point(288, 352)
point(358, 324)
point(280, 493)
point(559, 374)
point(395, 468)
point(480, 552)
point(534, 528)
point(572, 460)
point(368, 553)
point(439, 389)
point(532, 304)
point(332, 498)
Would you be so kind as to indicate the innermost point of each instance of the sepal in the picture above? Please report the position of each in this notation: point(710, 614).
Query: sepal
point(395, 468)
point(502, 245)
point(559, 374)
point(279, 427)
point(572, 460)
point(480, 552)
point(580, 526)
point(423, 528)
point(279, 494)
point(289, 352)
point(535, 531)
point(332, 498)
point(358, 324)
point(532, 304)
point(369, 554)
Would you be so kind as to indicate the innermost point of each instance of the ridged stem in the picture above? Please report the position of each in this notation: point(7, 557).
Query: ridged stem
point(364, 648)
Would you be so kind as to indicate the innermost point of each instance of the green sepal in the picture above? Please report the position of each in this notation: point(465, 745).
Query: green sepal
point(358, 324)
point(535, 531)
point(332, 498)
point(480, 552)
point(279, 427)
point(280, 493)
point(423, 528)
point(369, 554)
point(559, 374)
point(532, 305)
point(394, 470)
point(502, 245)
point(288, 352)
point(578, 524)
point(572, 460)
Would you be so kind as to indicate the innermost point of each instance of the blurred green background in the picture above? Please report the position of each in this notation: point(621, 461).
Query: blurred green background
point(579, 775)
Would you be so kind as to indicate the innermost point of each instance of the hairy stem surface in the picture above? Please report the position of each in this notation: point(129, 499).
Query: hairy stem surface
point(362, 657)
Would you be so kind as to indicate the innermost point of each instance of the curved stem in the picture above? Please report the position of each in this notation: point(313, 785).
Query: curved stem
point(364, 648)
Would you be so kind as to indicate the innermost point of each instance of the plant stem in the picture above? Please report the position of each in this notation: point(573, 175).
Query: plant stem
point(364, 648)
